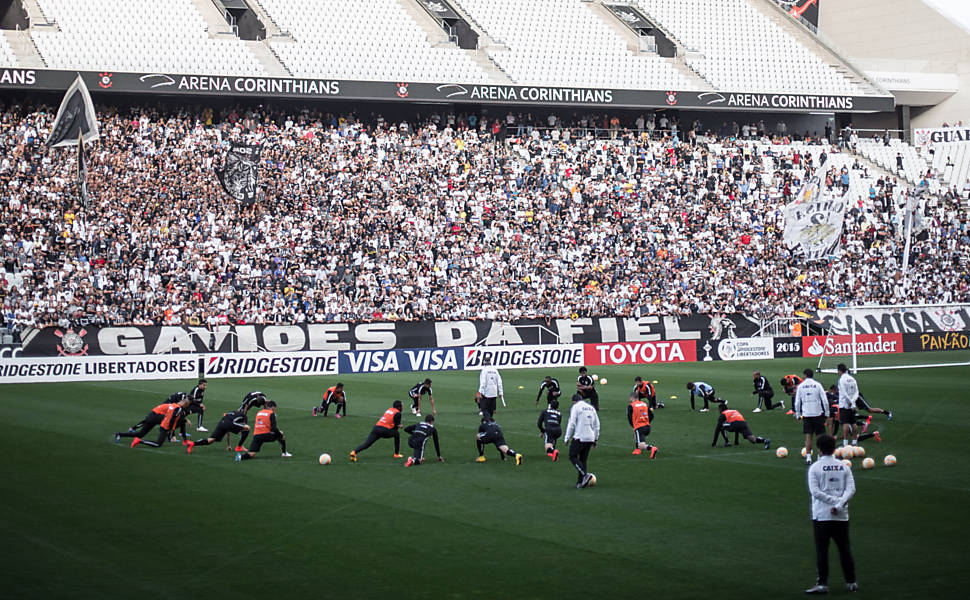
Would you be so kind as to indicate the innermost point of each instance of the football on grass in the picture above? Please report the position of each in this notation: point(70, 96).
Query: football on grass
point(325, 459)
point(592, 480)
point(781, 452)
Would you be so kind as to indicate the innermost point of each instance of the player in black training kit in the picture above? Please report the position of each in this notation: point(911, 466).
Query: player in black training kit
point(550, 426)
point(195, 403)
point(420, 433)
point(420, 389)
point(254, 399)
point(587, 388)
point(549, 385)
point(231, 422)
point(489, 432)
point(763, 389)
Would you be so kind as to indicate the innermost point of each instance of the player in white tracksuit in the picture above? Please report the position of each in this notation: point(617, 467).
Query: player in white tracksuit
point(831, 486)
point(489, 388)
point(584, 429)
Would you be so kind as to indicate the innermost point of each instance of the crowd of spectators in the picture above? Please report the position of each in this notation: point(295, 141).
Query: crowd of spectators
point(442, 216)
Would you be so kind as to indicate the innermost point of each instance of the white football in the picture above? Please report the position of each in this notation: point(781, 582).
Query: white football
point(889, 461)
point(325, 459)
point(781, 452)
point(847, 463)
point(595, 377)
point(603, 381)
point(592, 480)
point(868, 463)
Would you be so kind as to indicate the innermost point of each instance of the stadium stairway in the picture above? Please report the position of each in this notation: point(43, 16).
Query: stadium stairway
point(24, 50)
point(633, 45)
point(436, 35)
point(216, 22)
point(273, 30)
point(798, 31)
point(267, 57)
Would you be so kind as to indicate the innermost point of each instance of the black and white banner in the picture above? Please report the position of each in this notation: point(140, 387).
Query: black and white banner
point(930, 319)
point(90, 340)
point(941, 135)
point(813, 224)
point(239, 174)
point(75, 118)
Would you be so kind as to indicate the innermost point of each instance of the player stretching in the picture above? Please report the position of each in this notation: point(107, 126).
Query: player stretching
point(763, 389)
point(848, 397)
point(420, 433)
point(645, 391)
point(489, 432)
point(231, 422)
point(334, 395)
point(174, 417)
point(152, 419)
point(638, 415)
point(551, 386)
point(387, 427)
point(196, 397)
point(550, 426)
point(266, 431)
point(416, 392)
point(705, 390)
point(790, 384)
point(862, 404)
point(731, 420)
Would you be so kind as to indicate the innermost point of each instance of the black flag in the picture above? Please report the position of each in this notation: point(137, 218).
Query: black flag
point(75, 117)
point(82, 172)
point(239, 175)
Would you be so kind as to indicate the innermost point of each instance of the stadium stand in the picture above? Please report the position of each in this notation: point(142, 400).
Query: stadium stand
point(7, 56)
point(888, 152)
point(742, 49)
point(439, 218)
point(562, 42)
point(120, 35)
point(952, 162)
point(375, 40)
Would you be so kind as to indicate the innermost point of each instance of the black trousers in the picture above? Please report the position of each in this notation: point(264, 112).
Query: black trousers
point(144, 426)
point(837, 531)
point(487, 406)
point(766, 398)
point(418, 446)
point(381, 432)
point(578, 454)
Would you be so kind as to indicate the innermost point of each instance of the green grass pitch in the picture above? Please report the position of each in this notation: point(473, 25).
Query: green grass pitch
point(86, 518)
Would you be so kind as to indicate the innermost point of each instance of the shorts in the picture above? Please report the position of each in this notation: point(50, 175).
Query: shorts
point(194, 408)
point(847, 416)
point(550, 435)
point(640, 433)
point(261, 439)
point(741, 428)
point(814, 425)
point(861, 404)
point(497, 440)
point(224, 427)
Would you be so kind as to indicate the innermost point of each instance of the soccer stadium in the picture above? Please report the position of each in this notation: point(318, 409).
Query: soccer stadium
point(466, 298)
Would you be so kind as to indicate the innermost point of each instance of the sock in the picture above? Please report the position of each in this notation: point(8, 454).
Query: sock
point(866, 436)
point(510, 452)
point(200, 421)
point(759, 440)
point(549, 451)
point(247, 456)
point(481, 449)
point(203, 442)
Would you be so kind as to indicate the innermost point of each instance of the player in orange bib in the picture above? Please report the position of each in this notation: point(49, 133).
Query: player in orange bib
point(645, 391)
point(334, 395)
point(173, 416)
point(733, 420)
point(265, 431)
point(386, 427)
point(151, 420)
point(639, 415)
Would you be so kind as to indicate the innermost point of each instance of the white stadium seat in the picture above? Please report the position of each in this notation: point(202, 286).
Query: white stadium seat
point(365, 39)
point(121, 35)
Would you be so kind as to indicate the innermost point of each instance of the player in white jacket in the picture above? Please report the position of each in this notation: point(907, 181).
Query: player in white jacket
point(489, 388)
point(812, 406)
point(831, 486)
point(584, 430)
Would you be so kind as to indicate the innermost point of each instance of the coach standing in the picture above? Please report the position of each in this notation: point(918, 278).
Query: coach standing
point(831, 486)
point(490, 388)
point(811, 405)
point(584, 428)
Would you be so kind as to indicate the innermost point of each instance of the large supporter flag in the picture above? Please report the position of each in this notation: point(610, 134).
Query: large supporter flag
point(813, 223)
point(75, 118)
point(239, 175)
point(82, 172)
